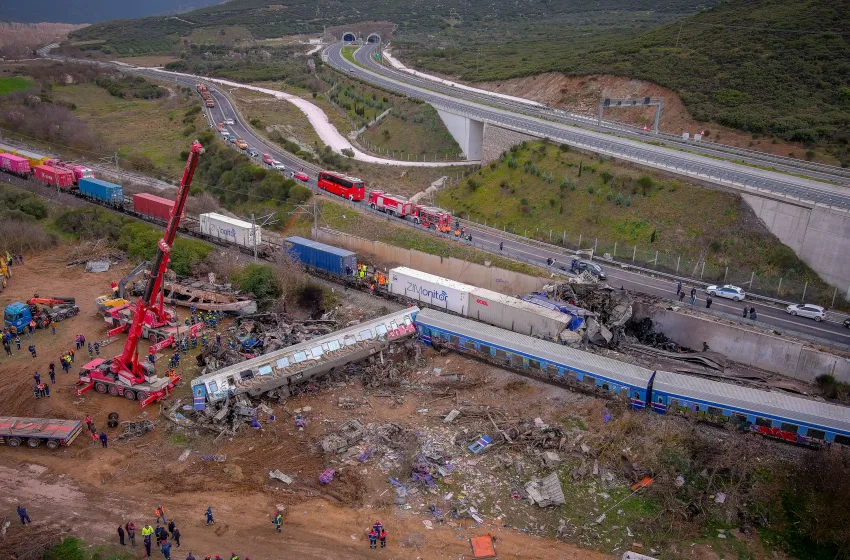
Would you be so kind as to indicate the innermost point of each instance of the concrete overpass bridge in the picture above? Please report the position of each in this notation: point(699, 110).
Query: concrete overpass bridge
point(811, 217)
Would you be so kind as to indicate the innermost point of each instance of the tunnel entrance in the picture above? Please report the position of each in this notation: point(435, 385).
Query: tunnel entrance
point(349, 37)
point(374, 38)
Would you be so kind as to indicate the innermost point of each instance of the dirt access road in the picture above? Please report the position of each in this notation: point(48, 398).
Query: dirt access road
point(87, 491)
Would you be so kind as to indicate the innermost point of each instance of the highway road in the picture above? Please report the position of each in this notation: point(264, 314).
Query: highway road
point(733, 175)
point(513, 246)
point(784, 164)
point(488, 239)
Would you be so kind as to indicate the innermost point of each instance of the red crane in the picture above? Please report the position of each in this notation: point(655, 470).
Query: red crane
point(125, 375)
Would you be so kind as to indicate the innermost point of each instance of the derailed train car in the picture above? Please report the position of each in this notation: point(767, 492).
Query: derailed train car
point(769, 413)
point(288, 367)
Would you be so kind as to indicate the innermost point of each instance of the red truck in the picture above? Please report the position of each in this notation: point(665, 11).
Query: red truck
point(55, 175)
point(16, 165)
point(155, 206)
point(431, 217)
point(390, 203)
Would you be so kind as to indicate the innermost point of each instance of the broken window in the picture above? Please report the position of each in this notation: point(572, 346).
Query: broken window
point(454, 339)
point(516, 360)
point(393, 326)
point(714, 411)
point(606, 386)
point(762, 422)
point(674, 402)
point(469, 344)
point(588, 380)
point(246, 374)
point(533, 364)
point(407, 320)
point(213, 386)
point(264, 370)
point(381, 329)
point(552, 369)
point(816, 434)
point(501, 354)
point(282, 363)
point(484, 349)
point(349, 340)
point(739, 418)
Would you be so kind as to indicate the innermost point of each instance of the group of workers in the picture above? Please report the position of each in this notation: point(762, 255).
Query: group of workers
point(12, 258)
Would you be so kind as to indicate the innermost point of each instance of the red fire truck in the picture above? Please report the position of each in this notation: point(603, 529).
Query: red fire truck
point(351, 188)
point(431, 217)
point(390, 203)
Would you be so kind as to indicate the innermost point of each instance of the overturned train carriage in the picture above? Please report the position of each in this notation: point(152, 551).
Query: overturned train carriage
point(293, 365)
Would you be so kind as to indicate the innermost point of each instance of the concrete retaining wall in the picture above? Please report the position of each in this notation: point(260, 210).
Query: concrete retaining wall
point(496, 279)
point(752, 348)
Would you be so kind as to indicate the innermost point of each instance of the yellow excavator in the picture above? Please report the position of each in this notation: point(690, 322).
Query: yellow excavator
point(5, 273)
point(116, 298)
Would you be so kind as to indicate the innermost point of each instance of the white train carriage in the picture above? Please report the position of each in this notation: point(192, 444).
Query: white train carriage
point(289, 366)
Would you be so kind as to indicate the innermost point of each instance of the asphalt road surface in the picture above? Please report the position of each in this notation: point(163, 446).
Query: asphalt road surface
point(490, 240)
point(733, 175)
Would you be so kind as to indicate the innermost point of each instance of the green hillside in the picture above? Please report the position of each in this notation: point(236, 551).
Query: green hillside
point(779, 67)
point(266, 19)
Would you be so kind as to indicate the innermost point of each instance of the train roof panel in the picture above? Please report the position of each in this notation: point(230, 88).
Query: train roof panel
point(318, 245)
point(597, 366)
point(516, 303)
point(272, 357)
point(779, 405)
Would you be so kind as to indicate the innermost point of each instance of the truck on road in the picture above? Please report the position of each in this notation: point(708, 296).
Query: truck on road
point(34, 431)
point(390, 204)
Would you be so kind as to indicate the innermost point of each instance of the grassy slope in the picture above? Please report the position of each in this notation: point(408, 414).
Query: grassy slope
point(687, 221)
point(756, 65)
point(8, 85)
point(133, 126)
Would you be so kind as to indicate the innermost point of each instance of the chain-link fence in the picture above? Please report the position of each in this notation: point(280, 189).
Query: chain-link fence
point(788, 286)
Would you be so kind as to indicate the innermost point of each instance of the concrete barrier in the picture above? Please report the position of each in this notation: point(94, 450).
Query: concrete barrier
point(496, 279)
point(745, 346)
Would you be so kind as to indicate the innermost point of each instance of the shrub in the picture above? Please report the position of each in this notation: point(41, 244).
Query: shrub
point(260, 280)
point(653, 236)
point(472, 184)
point(606, 177)
point(646, 183)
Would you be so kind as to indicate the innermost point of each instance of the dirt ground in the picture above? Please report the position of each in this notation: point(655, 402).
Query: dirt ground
point(581, 94)
point(86, 491)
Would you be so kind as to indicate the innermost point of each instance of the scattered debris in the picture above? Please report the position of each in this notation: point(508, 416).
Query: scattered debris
point(547, 492)
point(97, 266)
point(327, 476)
point(451, 416)
point(277, 475)
point(136, 428)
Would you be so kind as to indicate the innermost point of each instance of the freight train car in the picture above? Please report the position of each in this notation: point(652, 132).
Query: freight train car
point(429, 289)
point(230, 229)
point(516, 315)
point(320, 256)
point(54, 176)
point(15, 165)
point(104, 191)
point(154, 206)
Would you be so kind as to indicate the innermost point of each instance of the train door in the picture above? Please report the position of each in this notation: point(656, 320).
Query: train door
point(199, 397)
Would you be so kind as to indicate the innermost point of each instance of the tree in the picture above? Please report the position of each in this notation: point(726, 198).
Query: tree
point(646, 183)
point(606, 177)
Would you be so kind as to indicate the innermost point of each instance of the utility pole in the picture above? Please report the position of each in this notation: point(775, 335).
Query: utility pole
point(265, 220)
point(306, 210)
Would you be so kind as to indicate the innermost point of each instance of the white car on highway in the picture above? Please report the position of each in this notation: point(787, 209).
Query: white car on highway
point(229, 121)
point(728, 291)
point(279, 166)
point(808, 310)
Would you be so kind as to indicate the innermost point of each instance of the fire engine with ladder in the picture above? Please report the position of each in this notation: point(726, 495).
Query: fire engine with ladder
point(125, 375)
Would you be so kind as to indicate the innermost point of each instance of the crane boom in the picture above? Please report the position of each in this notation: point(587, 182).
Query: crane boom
point(128, 361)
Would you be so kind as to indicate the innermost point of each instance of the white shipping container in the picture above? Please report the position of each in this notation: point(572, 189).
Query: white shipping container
point(229, 229)
point(429, 289)
point(515, 315)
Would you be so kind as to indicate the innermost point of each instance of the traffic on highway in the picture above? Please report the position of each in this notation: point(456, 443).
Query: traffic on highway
point(505, 243)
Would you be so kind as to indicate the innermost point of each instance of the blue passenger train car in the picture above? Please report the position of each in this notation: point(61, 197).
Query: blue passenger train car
point(537, 356)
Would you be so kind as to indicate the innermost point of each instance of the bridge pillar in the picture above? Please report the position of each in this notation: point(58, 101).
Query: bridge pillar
point(468, 133)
